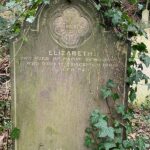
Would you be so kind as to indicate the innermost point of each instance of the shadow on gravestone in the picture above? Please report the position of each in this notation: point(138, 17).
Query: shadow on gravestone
point(57, 75)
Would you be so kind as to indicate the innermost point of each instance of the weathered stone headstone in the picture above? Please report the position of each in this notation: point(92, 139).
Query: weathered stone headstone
point(57, 75)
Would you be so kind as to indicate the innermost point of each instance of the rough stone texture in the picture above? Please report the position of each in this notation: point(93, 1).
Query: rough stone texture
point(56, 82)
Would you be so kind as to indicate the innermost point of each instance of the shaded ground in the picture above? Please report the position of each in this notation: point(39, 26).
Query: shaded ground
point(5, 99)
point(141, 123)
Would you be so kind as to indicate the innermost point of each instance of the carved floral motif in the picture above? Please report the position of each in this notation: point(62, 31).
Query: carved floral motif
point(70, 27)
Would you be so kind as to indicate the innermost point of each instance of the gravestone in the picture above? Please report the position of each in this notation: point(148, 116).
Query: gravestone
point(58, 72)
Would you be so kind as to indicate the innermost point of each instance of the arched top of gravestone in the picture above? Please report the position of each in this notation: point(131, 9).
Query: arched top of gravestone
point(69, 24)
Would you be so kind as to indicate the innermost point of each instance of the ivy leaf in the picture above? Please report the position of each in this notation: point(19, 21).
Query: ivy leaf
point(132, 28)
point(101, 123)
point(140, 142)
point(128, 116)
point(115, 96)
point(15, 133)
point(142, 32)
point(140, 6)
point(11, 4)
point(107, 131)
point(111, 84)
point(30, 19)
point(3, 23)
point(131, 61)
point(120, 109)
point(146, 78)
point(2, 104)
point(95, 115)
point(132, 95)
point(111, 132)
point(136, 76)
point(118, 130)
point(46, 1)
point(145, 59)
point(130, 70)
point(109, 146)
point(7, 125)
point(88, 130)
point(128, 143)
point(141, 47)
point(106, 92)
point(88, 141)
point(140, 66)
point(97, 6)
point(107, 2)
point(115, 15)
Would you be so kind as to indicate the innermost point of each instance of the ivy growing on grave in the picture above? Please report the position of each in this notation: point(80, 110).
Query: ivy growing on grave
point(122, 18)
point(106, 132)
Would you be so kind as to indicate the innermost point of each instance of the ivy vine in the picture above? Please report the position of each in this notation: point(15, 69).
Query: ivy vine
point(106, 132)
point(113, 132)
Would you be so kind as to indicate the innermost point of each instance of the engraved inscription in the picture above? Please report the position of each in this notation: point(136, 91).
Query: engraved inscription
point(72, 61)
point(70, 29)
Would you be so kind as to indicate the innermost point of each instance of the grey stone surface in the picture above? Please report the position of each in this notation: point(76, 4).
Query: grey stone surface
point(57, 75)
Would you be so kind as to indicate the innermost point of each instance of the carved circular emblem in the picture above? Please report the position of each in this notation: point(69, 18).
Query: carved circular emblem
point(70, 28)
